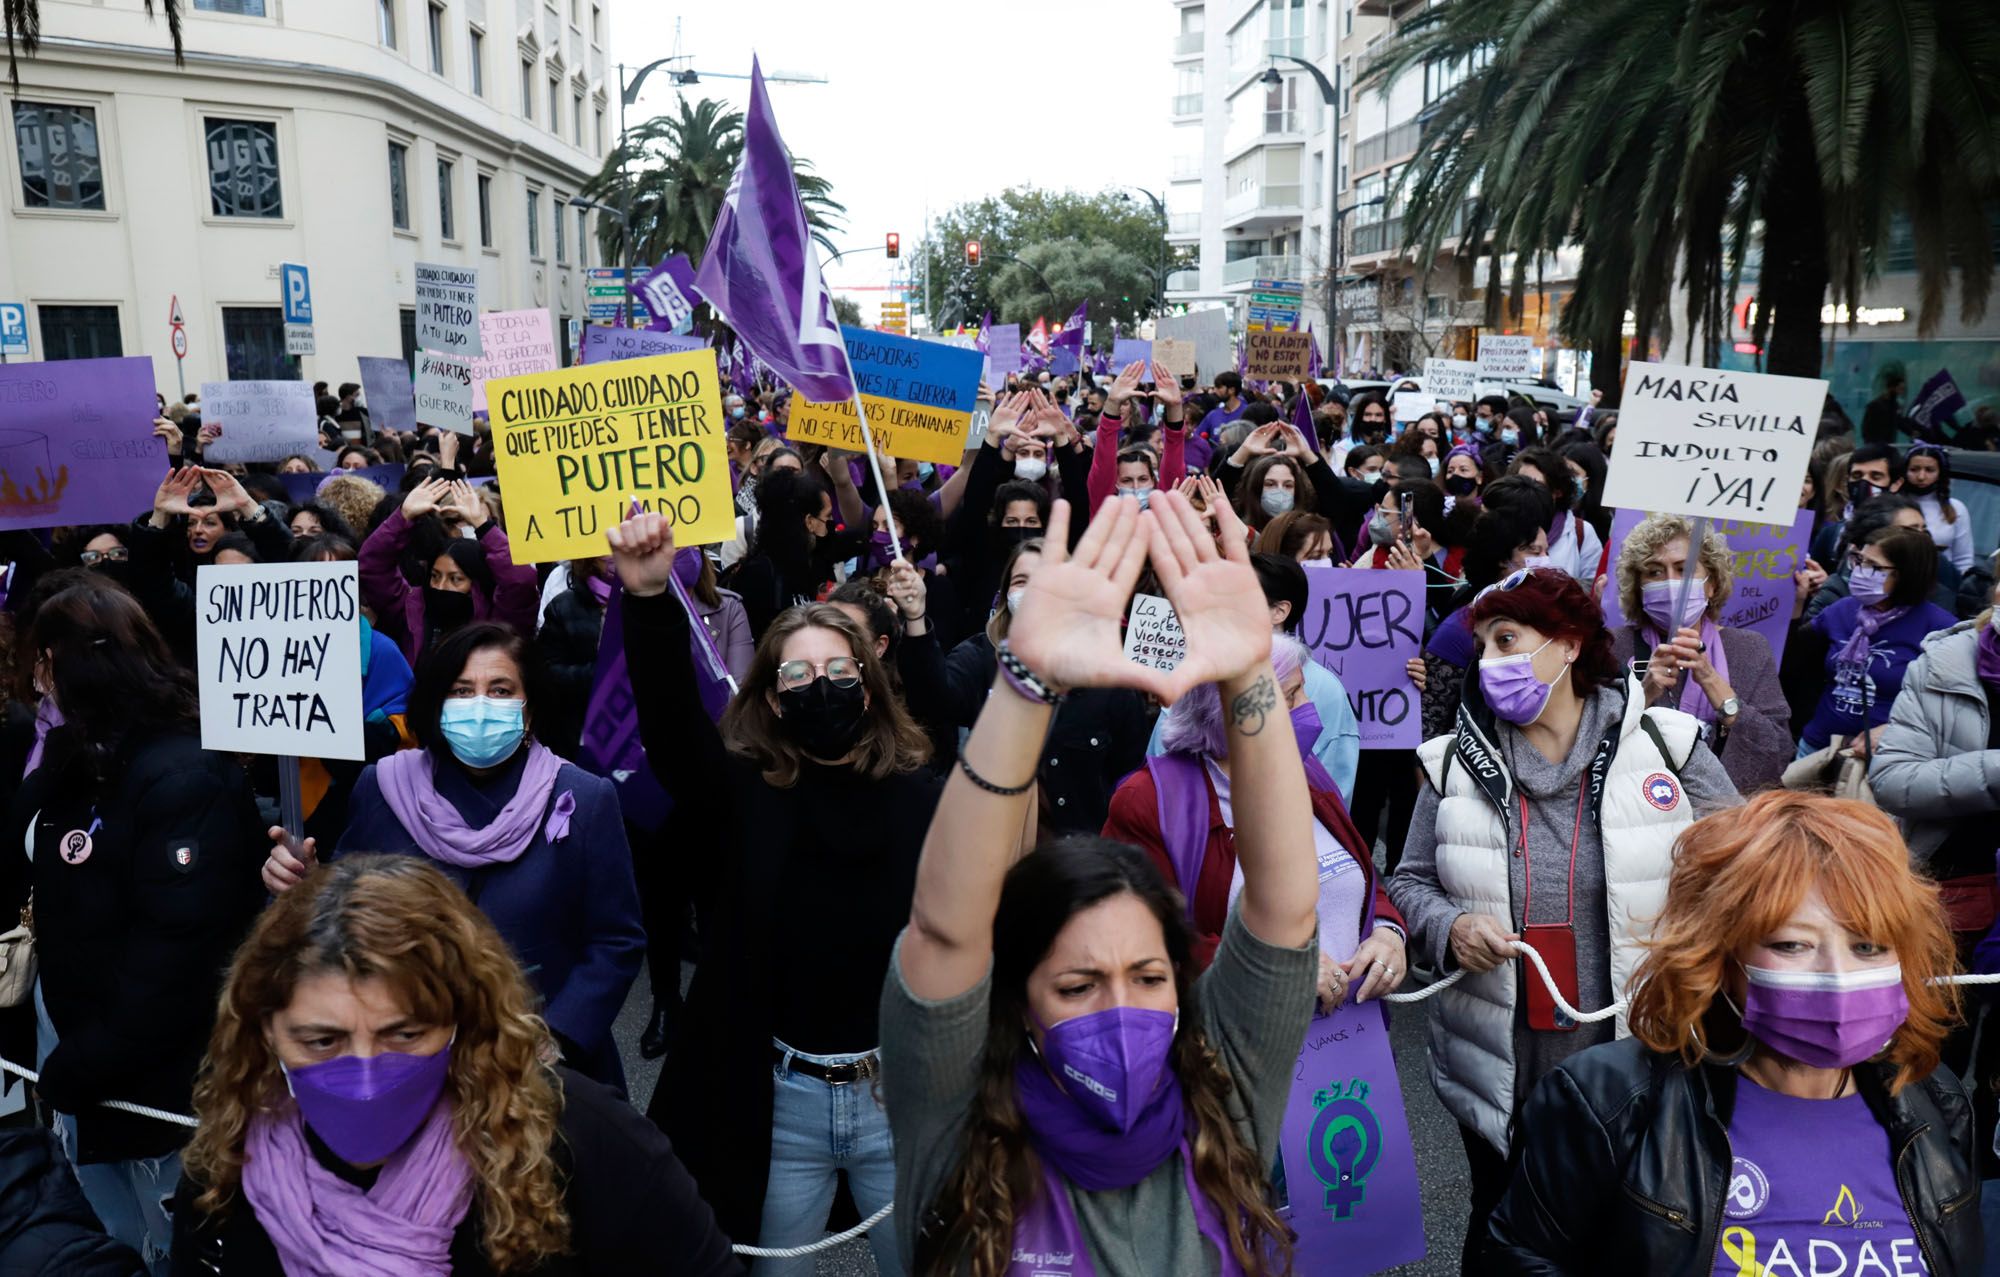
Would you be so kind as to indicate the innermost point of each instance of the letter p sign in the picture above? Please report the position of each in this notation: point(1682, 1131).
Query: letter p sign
point(298, 295)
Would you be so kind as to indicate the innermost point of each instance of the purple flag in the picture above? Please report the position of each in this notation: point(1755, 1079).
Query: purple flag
point(668, 295)
point(1937, 401)
point(1071, 337)
point(1100, 366)
point(984, 341)
point(1313, 365)
point(760, 270)
point(1365, 625)
point(1302, 417)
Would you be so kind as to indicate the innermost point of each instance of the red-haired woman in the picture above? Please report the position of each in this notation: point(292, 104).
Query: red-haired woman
point(1549, 815)
point(1780, 1106)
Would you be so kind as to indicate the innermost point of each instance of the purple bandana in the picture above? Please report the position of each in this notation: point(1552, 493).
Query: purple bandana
point(1989, 654)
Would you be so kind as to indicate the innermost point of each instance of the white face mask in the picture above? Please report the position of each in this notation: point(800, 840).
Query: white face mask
point(1458, 421)
point(1014, 598)
point(1030, 468)
point(1276, 501)
point(1316, 563)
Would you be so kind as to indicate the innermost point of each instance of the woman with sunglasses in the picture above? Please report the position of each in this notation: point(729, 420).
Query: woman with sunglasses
point(1548, 815)
point(805, 809)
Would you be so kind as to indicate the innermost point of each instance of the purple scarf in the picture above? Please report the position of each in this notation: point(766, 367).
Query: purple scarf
point(47, 719)
point(1854, 652)
point(323, 1226)
point(1693, 700)
point(409, 786)
point(1989, 654)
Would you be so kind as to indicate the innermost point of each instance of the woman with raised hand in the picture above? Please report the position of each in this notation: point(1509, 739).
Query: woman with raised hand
point(474, 577)
point(1060, 1082)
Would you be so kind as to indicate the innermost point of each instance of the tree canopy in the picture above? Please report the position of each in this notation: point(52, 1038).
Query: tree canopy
point(1103, 248)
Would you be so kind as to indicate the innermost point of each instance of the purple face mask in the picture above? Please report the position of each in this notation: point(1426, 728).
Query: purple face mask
point(1868, 584)
point(687, 566)
point(367, 1107)
point(1825, 1019)
point(1512, 688)
point(881, 550)
point(1306, 725)
point(1102, 1102)
point(1657, 597)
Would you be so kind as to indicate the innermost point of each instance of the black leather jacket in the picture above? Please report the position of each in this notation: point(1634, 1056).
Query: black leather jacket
point(1624, 1160)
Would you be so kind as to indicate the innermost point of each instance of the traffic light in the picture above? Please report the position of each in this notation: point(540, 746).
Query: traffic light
point(972, 252)
point(895, 245)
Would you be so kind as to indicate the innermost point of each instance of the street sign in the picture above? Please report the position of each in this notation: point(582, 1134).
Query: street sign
point(604, 288)
point(298, 339)
point(298, 294)
point(13, 328)
point(180, 343)
point(174, 316)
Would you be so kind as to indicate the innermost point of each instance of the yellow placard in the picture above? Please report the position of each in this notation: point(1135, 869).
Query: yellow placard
point(574, 447)
point(901, 428)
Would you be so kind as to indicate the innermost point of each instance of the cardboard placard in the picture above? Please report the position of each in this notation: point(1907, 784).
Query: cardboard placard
point(1176, 356)
point(444, 391)
point(1276, 356)
point(1451, 380)
point(1208, 330)
point(448, 309)
point(278, 651)
point(76, 442)
point(1506, 358)
point(390, 394)
point(919, 396)
point(1365, 625)
point(517, 342)
point(1153, 634)
point(602, 344)
point(260, 420)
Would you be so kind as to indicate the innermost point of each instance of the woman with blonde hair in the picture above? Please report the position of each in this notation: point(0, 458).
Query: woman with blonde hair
point(1722, 675)
point(1780, 1105)
point(376, 1100)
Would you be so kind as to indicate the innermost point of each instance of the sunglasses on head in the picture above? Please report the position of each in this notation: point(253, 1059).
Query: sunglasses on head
point(1512, 580)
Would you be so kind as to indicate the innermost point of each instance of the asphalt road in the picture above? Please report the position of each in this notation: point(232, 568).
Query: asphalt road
point(1440, 1157)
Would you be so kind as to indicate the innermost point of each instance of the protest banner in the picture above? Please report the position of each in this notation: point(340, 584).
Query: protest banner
point(1450, 379)
point(919, 397)
point(1128, 350)
point(1153, 635)
point(1411, 404)
point(1208, 330)
point(444, 391)
point(76, 442)
point(1277, 355)
point(1766, 556)
point(1714, 444)
point(574, 447)
point(602, 344)
point(260, 420)
point(517, 342)
point(1063, 362)
point(1938, 401)
point(1175, 355)
point(278, 650)
point(1504, 358)
point(1350, 1170)
point(391, 397)
point(1365, 625)
point(1003, 343)
point(448, 309)
point(301, 488)
point(668, 294)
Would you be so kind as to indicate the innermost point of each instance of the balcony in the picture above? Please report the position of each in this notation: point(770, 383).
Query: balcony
point(1188, 42)
point(1263, 207)
point(1385, 236)
point(1244, 270)
point(1183, 223)
point(1184, 281)
point(1187, 168)
point(1387, 147)
point(1384, 8)
point(1187, 104)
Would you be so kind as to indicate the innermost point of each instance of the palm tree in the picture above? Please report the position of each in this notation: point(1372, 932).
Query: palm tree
point(21, 24)
point(1706, 134)
point(680, 170)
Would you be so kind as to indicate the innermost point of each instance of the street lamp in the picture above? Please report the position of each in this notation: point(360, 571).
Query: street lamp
point(1160, 207)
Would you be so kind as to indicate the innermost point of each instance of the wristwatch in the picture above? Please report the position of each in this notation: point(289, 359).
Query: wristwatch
point(1729, 708)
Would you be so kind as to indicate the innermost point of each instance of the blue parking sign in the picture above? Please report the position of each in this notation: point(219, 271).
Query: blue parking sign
point(298, 294)
point(13, 328)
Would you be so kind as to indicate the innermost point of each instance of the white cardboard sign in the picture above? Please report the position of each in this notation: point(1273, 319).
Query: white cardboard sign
point(1503, 358)
point(278, 650)
point(1153, 634)
point(448, 309)
point(1451, 380)
point(260, 420)
point(444, 391)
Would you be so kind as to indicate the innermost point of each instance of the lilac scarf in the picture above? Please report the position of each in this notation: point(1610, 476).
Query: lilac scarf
point(323, 1226)
point(47, 719)
point(1989, 654)
point(1693, 700)
point(1854, 652)
point(409, 786)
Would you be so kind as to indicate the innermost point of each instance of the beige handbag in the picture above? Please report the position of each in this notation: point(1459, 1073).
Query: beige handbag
point(17, 960)
point(1831, 771)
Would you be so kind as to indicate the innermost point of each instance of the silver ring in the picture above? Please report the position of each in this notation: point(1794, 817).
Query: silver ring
point(1377, 963)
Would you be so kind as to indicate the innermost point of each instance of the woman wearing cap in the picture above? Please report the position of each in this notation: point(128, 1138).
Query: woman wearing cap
point(1549, 815)
point(1779, 1107)
point(1723, 676)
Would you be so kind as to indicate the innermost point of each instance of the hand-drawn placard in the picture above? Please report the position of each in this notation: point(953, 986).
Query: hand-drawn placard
point(1153, 635)
point(918, 395)
point(76, 442)
point(1506, 358)
point(1365, 625)
point(448, 309)
point(517, 342)
point(390, 394)
point(1451, 380)
point(279, 653)
point(603, 343)
point(444, 392)
point(260, 420)
point(1277, 355)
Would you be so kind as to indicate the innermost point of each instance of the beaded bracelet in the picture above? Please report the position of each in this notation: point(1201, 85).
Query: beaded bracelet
point(1024, 680)
point(991, 788)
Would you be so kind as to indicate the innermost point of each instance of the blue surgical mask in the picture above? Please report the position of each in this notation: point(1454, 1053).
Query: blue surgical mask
point(1144, 496)
point(736, 413)
point(483, 731)
point(1510, 436)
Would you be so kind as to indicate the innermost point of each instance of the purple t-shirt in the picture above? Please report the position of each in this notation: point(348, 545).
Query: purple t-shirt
point(1812, 1192)
point(1889, 655)
point(1220, 416)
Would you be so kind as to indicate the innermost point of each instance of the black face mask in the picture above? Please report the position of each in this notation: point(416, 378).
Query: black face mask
point(821, 719)
point(1461, 486)
point(446, 610)
point(1011, 537)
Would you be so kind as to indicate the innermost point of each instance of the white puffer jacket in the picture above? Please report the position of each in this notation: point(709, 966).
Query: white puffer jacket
point(1639, 817)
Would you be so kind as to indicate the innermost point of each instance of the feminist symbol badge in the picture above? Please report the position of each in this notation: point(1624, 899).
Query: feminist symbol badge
point(75, 847)
point(1343, 1145)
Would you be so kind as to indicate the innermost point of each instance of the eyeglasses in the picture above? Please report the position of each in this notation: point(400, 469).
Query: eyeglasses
point(1856, 559)
point(1512, 580)
point(116, 554)
point(841, 671)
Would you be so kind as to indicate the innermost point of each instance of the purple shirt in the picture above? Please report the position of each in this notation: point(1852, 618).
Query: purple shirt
point(1221, 416)
point(1895, 646)
point(1812, 1190)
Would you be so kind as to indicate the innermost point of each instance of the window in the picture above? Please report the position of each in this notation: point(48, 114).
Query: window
point(555, 105)
point(243, 169)
point(596, 25)
point(242, 8)
point(575, 16)
point(534, 222)
point(476, 54)
point(568, 341)
point(60, 164)
point(399, 185)
point(562, 242)
point(80, 332)
point(486, 210)
point(576, 117)
point(406, 319)
point(600, 130)
point(1369, 195)
point(385, 12)
point(253, 344)
point(527, 89)
point(434, 20)
point(447, 219)
point(583, 237)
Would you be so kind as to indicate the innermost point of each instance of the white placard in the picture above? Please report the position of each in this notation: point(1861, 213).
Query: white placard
point(443, 390)
point(448, 309)
point(260, 420)
point(1153, 634)
point(1411, 404)
point(1450, 379)
point(1506, 358)
point(278, 650)
point(1208, 330)
point(1713, 444)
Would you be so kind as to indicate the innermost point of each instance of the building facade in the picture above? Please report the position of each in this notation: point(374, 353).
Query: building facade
point(353, 137)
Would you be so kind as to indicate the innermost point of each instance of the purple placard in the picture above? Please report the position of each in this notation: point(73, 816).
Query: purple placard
point(391, 398)
point(1127, 349)
point(1004, 344)
point(302, 488)
point(76, 442)
point(603, 344)
point(1345, 1141)
point(1365, 625)
point(667, 292)
point(1062, 361)
point(1766, 557)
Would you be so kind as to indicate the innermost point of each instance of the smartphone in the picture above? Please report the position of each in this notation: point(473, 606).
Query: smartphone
point(1408, 521)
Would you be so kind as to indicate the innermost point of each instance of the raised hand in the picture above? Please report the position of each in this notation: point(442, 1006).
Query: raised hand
point(172, 496)
point(1124, 386)
point(448, 449)
point(1214, 592)
point(229, 494)
point(907, 590)
point(642, 551)
point(426, 497)
point(1048, 421)
point(1067, 630)
point(168, 433)
point(289, 862)
point(1005, 421)
point(464, 505)
point(210, 431)
point(1261, 442)
point(1166, 386)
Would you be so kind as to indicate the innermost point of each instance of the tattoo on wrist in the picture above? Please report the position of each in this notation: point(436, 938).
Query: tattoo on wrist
point(1249, 711)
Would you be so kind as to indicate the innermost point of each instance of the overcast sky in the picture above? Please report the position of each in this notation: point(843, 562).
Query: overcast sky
point(929, 104)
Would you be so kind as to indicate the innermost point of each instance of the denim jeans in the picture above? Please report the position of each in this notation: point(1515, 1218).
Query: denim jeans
point(816, 1130)
point(130, 1197)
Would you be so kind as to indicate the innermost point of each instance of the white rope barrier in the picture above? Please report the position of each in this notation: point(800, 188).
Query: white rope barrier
point(123, 1106)
point(824, 1243)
